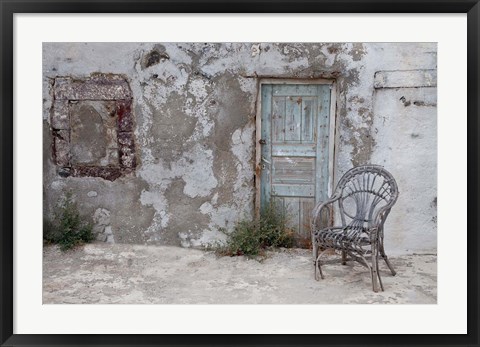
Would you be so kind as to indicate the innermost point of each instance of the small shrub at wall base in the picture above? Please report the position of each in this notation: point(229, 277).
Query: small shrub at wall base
point(252, 238)
point(67, 228)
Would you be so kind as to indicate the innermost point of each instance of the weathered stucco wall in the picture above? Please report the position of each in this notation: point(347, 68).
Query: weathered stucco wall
point(193, 111)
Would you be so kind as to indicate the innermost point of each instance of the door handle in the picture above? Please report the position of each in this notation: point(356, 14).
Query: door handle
point(265, 160)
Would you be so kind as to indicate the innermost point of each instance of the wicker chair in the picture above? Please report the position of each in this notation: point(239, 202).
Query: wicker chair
point(365, 195)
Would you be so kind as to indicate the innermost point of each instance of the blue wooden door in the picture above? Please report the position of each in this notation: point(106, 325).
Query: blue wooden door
point(294, 149)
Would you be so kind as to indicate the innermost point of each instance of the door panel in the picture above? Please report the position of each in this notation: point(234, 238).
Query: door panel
point(294, 154)
point(290, 190)
point(295, 150)
point(293, 119)
point(278, 119)
point(308, 109)
point(306, 207)
point(295, 89)
point(293, 170)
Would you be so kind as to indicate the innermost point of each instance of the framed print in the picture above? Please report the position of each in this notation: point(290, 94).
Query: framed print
point(260, 173)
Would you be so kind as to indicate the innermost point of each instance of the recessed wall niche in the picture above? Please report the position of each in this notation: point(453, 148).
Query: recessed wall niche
point(92, 127)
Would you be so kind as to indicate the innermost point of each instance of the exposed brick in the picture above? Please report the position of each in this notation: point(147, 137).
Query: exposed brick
point(107, 173)
point(60, 118)
point(124, 115)
point(111, 96)
point(98, 87)
point(125, 139)
point(61, 147)
point(126, 146)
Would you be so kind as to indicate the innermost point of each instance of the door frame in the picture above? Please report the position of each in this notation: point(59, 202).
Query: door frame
point(258, 130)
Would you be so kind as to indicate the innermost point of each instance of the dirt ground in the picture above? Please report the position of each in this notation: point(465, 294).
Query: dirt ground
point(138, 274)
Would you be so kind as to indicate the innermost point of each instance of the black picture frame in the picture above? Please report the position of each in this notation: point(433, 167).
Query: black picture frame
point(10, 7)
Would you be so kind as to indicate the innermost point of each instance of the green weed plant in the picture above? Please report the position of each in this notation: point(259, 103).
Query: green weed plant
point(254, 237)
point(67, 228)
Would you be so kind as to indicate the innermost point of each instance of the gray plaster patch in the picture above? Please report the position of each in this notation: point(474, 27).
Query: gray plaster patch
point(93, 133)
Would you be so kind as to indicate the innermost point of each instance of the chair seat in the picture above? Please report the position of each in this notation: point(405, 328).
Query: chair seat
point(343, 237)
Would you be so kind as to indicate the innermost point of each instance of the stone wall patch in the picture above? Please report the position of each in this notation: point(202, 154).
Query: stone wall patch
point(92, 127)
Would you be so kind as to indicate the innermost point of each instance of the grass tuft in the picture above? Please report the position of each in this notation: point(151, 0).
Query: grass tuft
point(67, 229)
point(253, 237)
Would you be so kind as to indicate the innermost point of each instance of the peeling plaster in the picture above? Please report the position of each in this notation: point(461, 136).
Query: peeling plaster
point(194, 168)
point(194, 106)
point(243, 149)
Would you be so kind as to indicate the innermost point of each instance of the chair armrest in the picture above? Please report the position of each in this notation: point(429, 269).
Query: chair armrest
point(379, 220)
point(317, 210)
point(381, 216)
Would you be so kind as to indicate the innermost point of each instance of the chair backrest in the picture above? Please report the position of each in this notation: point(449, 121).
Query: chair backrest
point(365, 190)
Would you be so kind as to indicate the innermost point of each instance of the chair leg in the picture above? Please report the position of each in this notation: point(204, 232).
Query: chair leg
point(319, 268)
point(384, 256)
point(344, 257)
point(374, 271)
point(316, 263)
point(315, 260)
point(375, 261)
point(380, 280)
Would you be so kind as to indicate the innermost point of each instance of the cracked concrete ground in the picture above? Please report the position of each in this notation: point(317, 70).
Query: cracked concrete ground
point(137, 274)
